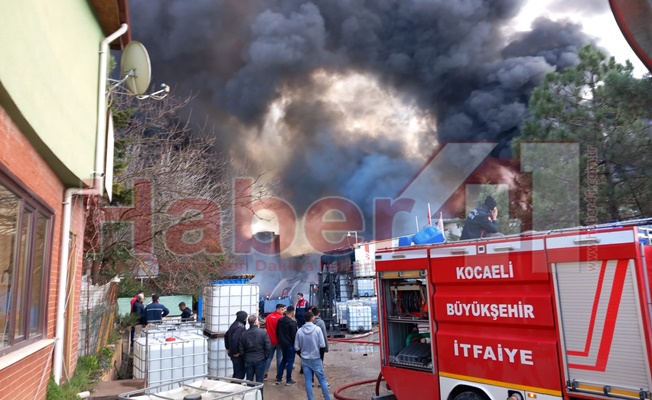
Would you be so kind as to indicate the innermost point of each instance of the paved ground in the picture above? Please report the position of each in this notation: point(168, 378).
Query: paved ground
point(345, 363)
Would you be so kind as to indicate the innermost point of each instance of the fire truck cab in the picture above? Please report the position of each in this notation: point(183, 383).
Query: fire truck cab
point(555, 315)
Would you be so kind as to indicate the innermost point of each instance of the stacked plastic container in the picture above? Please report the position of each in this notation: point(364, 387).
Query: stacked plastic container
point(351, 319)
point(373, 303)
point(342, 313)
point(222, 301)
point(346, 286)
point(219, 363)
point(363, 269)
point(364, 282)
point(359, 318)
point(365, 287)
point(161, 357)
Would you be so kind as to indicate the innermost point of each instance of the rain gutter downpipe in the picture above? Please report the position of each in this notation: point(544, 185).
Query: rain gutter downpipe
point(95, 190)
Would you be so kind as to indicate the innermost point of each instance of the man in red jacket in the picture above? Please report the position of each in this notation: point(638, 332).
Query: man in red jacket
point(270, 325)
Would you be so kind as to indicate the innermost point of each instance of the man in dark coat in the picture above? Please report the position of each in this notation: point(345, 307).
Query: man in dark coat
point(155, 311)
point(135, 298)
point(138, 309)
point(286, 331)
point(186, 313)
point(232, 343)
point(255, 346)
point(301, 308)
point(481, 221)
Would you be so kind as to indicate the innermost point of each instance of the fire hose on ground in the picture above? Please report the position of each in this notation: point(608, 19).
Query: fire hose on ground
point(356, 339)
point(339, 396)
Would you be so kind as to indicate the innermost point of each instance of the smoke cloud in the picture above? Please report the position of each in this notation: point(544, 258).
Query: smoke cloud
point(341, 97)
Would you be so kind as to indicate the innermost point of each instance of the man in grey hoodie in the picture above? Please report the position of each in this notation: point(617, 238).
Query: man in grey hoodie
point(308, 342)
point(322, 325)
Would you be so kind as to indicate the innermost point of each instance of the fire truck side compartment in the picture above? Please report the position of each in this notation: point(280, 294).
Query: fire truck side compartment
point(552, 315)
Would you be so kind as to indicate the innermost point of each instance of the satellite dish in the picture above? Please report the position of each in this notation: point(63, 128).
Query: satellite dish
point(135, 67)
point(635, 21)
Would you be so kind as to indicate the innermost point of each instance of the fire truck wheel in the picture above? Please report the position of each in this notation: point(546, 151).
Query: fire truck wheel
point(468, 396)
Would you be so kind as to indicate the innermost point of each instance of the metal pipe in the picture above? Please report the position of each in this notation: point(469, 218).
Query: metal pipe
point(101, 98)
point(67, 202)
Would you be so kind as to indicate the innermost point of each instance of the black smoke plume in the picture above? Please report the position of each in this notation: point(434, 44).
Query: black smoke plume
point(454, 61)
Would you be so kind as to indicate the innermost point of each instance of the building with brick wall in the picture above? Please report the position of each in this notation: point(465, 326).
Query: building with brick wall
point(49, 133)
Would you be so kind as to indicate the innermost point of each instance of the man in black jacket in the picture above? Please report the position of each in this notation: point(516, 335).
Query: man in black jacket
point(481, 221)
point(232, 341)
point(186, 313)
point(138, 309)
point(286, 331)
point(255, 346)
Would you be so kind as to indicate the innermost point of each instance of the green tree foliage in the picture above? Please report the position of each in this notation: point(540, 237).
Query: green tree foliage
point(603, 108)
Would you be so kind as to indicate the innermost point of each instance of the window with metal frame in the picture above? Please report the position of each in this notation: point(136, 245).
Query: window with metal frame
point(26, 228)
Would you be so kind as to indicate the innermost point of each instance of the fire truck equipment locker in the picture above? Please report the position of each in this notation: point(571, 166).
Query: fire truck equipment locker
point(602, 300)
point(495, 318)
point(406, 329)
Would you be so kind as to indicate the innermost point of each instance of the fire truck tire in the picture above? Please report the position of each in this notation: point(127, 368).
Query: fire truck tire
point(469, 396)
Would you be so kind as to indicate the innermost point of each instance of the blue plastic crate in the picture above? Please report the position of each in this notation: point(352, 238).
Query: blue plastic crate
point(230, 281)
point(404, 241)
point(429, 235)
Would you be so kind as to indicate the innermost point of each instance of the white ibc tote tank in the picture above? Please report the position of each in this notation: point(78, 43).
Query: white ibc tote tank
point(159, 360)
point(219, 363)
point(359, 319)
point(365, 287)
point(363, 269)
point(222, 301)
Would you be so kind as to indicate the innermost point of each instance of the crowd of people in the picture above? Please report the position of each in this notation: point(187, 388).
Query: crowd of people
point(153, 313)
point(288, 333)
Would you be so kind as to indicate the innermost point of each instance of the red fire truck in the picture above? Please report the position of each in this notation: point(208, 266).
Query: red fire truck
point(555, 315)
